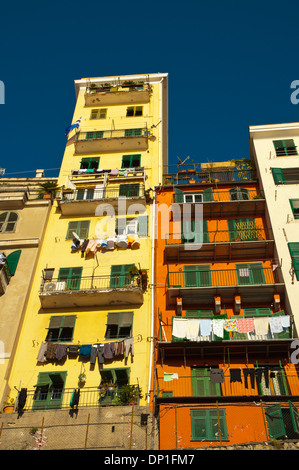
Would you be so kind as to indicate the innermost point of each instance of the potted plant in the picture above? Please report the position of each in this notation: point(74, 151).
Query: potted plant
point(133, 272)
point(9, 405)
point(82, 378)
point(129, 395)
point(48, 190)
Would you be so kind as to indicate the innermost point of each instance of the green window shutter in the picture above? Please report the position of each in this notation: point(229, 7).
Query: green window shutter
point(202, 313)
point(231, 229)
point(119, 325)
point(119, 275)
point(294, 251)
point(278, 175)
point(131, 161)
point(81, 228)
point(279, 148)
point(142, 226)
point(294, 417)
point(129, 190)
point(275, 421)
point(201, 383)
point(12, 260)
point(204, 424)
point(133, 132)
point(208, 195)
point(178, 196)
point(191, 279)
point(186, 231)
point(250, 273)
point(197, 275)
point(72, 277)
point(94, 135)
point(285, 147)
point(205, 232)
point(257, 273)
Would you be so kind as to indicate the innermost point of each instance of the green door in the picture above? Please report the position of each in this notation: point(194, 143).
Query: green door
point(197, 275)
point(250, 273)
point(194, 231)
point(49, 390)
point(275, 422)
point(120, 275)
point(202, 385)
point(71, 276)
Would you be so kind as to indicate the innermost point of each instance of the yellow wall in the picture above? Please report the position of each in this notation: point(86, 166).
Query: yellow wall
point(56, 252)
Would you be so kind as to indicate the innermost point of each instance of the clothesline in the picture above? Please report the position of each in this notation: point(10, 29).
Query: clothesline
point(93, 245)
point(194, 328)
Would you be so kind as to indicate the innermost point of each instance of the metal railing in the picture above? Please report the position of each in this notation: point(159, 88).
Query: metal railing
point(213, 194)
point(43, 398)
point(243, 276)
point(190, 175)
point(111, 134)
point(111, 88)
point(90, 283)
point(220, 236)
point(280, 384)
point(91, 194)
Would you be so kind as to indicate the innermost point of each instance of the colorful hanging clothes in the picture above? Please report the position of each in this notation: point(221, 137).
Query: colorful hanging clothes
point(218, 327)
point(275, 324)
point(231, 325)
point(245, 325)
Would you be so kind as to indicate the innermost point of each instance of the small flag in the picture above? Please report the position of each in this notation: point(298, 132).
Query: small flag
point(73, 126)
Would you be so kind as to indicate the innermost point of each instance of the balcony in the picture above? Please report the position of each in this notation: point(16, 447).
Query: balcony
point(119, 94)
point(191, 177)
point(237, 201)
point(13, 198)
point(91, 291)
point(84, 201)
point(121, 140)
point(187, 388)
point(197, 283)
point(255, 243)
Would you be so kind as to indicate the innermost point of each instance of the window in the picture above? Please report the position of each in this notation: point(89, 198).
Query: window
point(91, 163)
point(242, 229)
point(205, 424)
point(239, 194)
point(129, 190)
point(49, 390)
point(285, 147)
point(8, 221)
point(131, 161)
point(137, 225)
point(202, 313)
point(111, 381)
point(197, 275)
point(119, 325)
point(294, 252)
point(203, 196)
point(134, 111)
point(193, 197)
point(80, 227)
point(295, 207)
point(61, 328)
point(282, 422)
point(193, 231)
point(133, 132)
point(98, 113)
point(250, 273)
point(271, 380)
point(256, 312)
point(94, 135)
point(120, 276)
point(285, 175)
point(71, 277)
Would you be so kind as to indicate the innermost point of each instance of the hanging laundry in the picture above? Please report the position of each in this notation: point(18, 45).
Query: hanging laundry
point(108, 350)
point(122, 241)
point(22, 400)
point(275, 324)
point(61, 351)
point(129, 346)
point(85, 350)
point(135, 243)
point(245, 325)
point(84, 245)
point(41, 357)
point(261, 325)
point(251, 374)
point(51, 351)
point(114, 172)
point(101, 353)
point(235, 375)
point(218, 327)
point(93, 354)
point(119, 348)
point(111, 243)
point(205, 326)
point(169, 376)
point(285, 321)
point(76, 244)
point(75, 397)
point(105, 243)
point(231, 325)
point(193, 327)
point(217, 376)
point(179, 327)
point(73, 349)
point(260, 372)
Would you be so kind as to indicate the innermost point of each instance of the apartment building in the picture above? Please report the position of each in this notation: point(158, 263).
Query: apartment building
point(24, 212)
point(224, 325)
point(85, 339)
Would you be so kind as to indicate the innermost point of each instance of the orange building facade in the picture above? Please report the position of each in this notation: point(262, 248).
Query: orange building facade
point(223, 330)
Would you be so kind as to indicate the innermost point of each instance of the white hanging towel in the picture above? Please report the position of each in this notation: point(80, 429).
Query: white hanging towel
point(275, 324)
point(193, 329)
point(285, 321)
point(218, 327)
point(179, 327)
point(261, 325)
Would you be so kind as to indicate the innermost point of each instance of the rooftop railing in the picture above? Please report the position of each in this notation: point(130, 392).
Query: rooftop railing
point(190, 175)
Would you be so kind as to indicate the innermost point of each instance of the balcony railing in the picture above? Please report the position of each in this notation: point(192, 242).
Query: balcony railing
point(192, 176)
point(220, 236)
point(90, 283)
point(215, 195)
point(243, 276)
point(280, 384)
point(91, 194)
point(105, 94)
point(44, 398)
point(112, 140)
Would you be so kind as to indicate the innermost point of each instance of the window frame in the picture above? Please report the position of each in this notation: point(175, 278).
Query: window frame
point(6, 222)
point(89, 161)
point(282, 149)
point(61, 323)
point(134, 111)
point(98, 113)
point(118, 325)
point(294, 209)
point(130, 159)
point(209, 424)
point(78, 229)
point(239, 191)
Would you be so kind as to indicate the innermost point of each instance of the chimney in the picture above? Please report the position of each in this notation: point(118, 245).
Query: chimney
point(39, 173)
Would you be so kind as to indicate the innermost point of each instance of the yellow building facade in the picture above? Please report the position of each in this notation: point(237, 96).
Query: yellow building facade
point(88, 322)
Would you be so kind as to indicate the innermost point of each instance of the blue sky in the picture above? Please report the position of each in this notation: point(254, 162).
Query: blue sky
point(230, 65)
